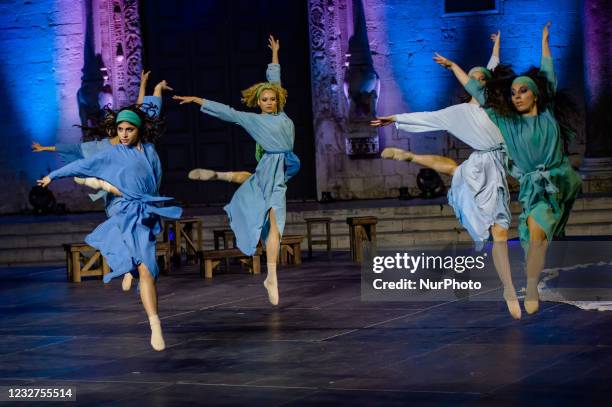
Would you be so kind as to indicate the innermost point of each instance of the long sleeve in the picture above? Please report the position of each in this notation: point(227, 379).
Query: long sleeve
point(86, 167)
point(226, 113)
point(421, 121)
point(69, 152)
point(273, 73)
point(152, 105)
point(474, 88)
point(548, 70)
point(493, 62)
point(157, 169)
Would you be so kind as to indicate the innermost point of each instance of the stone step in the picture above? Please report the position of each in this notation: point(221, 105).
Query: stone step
point(34, 242)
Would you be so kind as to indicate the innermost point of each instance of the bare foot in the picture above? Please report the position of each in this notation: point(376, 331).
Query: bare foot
point(393, 153)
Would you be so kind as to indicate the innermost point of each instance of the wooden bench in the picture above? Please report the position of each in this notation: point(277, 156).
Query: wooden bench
point(83, 260)
point(327, 241)
point(361, 228)
point(162, 249)
point(210, 259)
point(188, 230)
point(291, 250)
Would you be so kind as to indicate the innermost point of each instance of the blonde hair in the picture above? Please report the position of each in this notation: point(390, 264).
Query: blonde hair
point(250, 96)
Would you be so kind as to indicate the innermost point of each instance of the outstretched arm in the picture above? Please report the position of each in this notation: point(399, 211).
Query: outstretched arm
point(494, 60)
point(220, 111)
point(144, 77)
point(273, 71)
point(37, 148)
point(546, 66)
point(86, 167)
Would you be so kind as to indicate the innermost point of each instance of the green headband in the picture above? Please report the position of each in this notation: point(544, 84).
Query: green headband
point(526, 80)
point(482, 69)
point(130, 117)
point(262, 87)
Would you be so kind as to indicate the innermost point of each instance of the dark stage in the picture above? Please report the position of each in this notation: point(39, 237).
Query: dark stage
point(322, 345)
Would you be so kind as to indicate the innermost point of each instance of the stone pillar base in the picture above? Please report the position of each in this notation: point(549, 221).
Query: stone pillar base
point(596, 174)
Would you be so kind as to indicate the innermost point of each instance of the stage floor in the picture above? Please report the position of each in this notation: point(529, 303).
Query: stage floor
point(322, 345)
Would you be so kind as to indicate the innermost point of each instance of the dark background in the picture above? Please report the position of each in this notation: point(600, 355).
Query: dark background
point(214, 49)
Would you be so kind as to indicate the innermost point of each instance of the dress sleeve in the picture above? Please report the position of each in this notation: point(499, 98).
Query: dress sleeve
point(474, 88)
point(493, 62)
point(85, 167)
point(69, 152)
point(273, 73)
point(152, 105)
point(419, 122)
point(228, 114)
point(548, 70)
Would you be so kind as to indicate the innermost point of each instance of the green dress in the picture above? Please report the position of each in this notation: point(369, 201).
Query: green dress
point(548, 184)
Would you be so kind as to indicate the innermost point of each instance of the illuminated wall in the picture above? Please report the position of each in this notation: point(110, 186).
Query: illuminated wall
point(41, 48)
point(404, 35)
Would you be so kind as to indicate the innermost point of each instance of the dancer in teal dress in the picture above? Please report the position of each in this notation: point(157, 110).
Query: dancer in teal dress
point(127, 238)
point(525, 113)
point(258, 208)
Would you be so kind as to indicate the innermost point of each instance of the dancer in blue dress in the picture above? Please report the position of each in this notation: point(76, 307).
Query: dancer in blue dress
point(258, 208)
point(106, 130)
point(127, 238)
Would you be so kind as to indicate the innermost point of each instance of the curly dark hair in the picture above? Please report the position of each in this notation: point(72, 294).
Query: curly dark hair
point(499, 98)
point(153, 125)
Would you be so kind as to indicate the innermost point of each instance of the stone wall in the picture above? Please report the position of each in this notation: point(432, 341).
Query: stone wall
point(403, 36)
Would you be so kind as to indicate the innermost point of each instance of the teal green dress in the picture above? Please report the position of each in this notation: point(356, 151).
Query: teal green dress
point(548, 183)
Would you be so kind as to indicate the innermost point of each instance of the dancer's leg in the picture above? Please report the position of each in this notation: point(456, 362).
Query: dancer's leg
point(536, 255)
point(437, 163)
point(96, 183)
point(502, 266)
point(272, 249)
point(148, 295)
point(202, 174)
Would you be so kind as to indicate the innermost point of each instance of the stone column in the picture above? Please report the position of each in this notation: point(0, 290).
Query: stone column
point(120, 45)
point(596, 169)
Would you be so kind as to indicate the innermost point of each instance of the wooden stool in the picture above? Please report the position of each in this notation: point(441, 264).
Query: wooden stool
point(361, 228)
point(162, 249)
point(210, 259)
point(327, 241)
point(291, 250)
point(227, 236)
point(184, 231)
point(93, 265)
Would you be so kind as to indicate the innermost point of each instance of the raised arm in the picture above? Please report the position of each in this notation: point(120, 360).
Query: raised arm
point(546, 66)
point(273, 71)
point(494, 60)
point(144, 77)
point(459, 73)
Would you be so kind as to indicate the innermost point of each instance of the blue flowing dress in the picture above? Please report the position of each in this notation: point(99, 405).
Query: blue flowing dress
point(248, 211)
point(127, 238)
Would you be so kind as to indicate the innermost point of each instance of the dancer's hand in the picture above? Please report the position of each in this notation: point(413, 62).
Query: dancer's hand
point(144, 76)
point(495, 37)
point(188, 99)
point(37, 148)
point(44, 182)
point(163, 85)
point(444, 62)
point(273, 44)
point(382, 121)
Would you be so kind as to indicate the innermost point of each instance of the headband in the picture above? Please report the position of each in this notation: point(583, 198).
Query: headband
point(526, 80)
point(485, 71)
point(264, 86)
point(129, 116)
